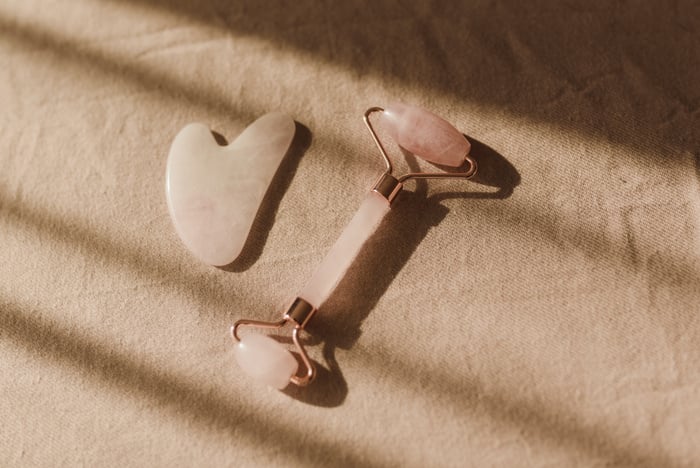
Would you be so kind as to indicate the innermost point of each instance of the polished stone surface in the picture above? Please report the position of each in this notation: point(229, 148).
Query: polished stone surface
point(265, 360)
point(214, 191)
point(343, 253)
point(425, 134)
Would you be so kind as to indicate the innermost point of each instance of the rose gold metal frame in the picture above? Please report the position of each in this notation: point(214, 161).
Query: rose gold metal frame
point(391, 195)
point(288, 317)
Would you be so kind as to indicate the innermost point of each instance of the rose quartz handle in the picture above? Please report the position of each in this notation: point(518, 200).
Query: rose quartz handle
point(425, 134)
point(343, 253)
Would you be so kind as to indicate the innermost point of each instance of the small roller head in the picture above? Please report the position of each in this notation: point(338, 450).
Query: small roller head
point(266, 360)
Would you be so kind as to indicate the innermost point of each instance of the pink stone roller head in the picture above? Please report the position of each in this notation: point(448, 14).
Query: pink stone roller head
point(425, 134)
point(418, 131)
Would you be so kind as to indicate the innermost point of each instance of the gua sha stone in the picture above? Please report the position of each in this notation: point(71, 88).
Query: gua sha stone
point(214, 191)
point(425, 134)
point(417, 130)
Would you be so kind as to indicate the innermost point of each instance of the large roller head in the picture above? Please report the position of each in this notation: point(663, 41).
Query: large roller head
point(425, 134)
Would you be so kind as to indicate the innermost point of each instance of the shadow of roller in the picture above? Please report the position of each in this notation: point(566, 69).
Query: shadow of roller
point(340, 319)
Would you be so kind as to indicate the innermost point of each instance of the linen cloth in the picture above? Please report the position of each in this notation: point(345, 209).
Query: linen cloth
point(546, 315)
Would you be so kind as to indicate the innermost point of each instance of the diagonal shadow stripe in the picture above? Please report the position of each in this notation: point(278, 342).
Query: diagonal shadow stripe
point(539, 418)
point(145, 77)
point(50, 340)
point(141, 76)
point(141, 261)
point(550, 62)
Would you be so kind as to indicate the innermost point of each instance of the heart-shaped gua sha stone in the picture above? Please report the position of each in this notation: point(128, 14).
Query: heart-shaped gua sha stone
point(214, 191)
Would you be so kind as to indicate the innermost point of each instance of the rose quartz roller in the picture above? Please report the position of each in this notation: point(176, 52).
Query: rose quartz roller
point(419, 132)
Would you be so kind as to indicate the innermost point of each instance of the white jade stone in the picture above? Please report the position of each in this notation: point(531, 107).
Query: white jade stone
point(214, 191)
point(266, 360)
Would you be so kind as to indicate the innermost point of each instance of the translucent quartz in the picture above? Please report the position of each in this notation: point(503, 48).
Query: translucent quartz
point(214, 191)
point(265, 360)
point(343, 253)
point(425, 134)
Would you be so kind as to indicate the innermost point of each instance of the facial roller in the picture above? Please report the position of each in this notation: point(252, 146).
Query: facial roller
point(416, 130)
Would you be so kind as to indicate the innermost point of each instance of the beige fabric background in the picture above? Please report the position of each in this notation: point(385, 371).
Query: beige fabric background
point(545, 317)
